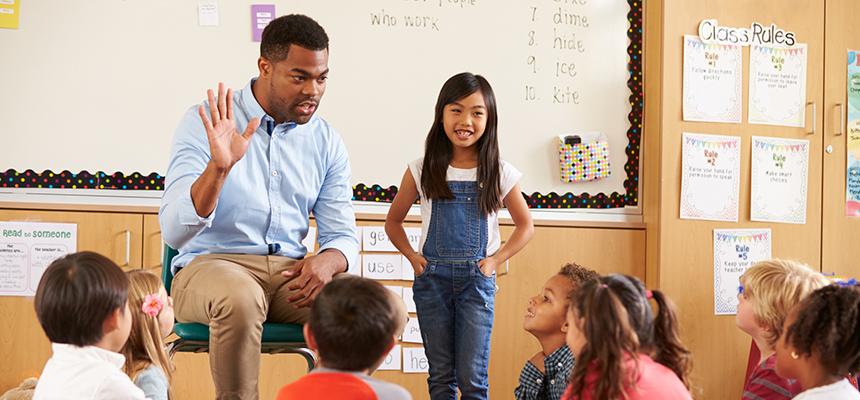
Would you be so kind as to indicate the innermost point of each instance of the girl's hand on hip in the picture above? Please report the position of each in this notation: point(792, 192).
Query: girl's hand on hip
point(418, 263)
point(488, 266)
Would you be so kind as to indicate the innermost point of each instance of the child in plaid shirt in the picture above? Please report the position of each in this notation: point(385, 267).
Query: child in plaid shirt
point(545, 375)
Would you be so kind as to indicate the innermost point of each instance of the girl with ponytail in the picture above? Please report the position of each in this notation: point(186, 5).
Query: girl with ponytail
point(622, 350)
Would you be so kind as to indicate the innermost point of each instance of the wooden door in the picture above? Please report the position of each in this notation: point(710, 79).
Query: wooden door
point(684, 248)
point(153, 247)
point(839, 232)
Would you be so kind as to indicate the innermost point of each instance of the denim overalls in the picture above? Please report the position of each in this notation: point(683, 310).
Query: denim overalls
point(454, 299)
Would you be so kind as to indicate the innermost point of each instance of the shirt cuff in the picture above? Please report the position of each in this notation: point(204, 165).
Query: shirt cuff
point(188, 214)
point(347, 247)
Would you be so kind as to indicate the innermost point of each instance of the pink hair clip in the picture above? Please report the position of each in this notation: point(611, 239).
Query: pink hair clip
point(152, 305)
point(649, 294)
point(603, 285)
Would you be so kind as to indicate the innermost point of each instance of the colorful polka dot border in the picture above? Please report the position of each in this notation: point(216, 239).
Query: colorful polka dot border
point(362, 192)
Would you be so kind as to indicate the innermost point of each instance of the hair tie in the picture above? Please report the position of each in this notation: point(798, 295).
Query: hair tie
point(152, 305)
point(649, 294)
point(603, 285)
point(848, 283)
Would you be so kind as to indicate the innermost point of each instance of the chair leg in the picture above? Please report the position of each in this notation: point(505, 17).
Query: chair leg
point(309, 356)
point(172, 347)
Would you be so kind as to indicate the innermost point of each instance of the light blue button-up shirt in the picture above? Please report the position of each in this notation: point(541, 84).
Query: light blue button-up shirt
point(268, 196)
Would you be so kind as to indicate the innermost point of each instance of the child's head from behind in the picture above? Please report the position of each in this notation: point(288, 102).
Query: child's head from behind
point(354, 323)
point(823, 329)
point(547, 312)
point(465, 118)
point(768, 291)
point(82, 300)
point(610, 319)
point(152, 320)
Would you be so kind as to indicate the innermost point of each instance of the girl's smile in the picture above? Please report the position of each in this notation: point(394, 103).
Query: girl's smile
point(464, 121)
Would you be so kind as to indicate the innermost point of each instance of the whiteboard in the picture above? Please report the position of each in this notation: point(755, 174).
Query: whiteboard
point(100, 85)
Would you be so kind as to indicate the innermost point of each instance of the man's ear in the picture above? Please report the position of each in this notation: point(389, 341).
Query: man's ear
point(309, 337)
point(564, 327)
point(265, 66)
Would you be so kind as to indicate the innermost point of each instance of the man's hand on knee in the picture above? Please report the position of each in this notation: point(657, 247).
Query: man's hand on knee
point(312, 273)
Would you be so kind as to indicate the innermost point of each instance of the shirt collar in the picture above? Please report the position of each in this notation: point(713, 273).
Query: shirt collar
point(88, 352)
point(255, 110)
point(558, 355)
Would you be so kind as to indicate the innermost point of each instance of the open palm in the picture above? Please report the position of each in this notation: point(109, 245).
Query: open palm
point(226, 145)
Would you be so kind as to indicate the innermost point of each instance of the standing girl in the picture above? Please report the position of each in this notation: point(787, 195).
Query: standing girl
point(622, 350)
point(146, 361)
point(462, 184)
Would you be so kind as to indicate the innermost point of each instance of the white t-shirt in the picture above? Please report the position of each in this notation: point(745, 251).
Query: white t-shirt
point(85, 373)
point(509, 177)
point(842, 390)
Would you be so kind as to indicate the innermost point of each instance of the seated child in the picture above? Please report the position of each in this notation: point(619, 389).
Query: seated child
point(821, 343)
point(82, 304)
point(622, 350)
point(146, 361)
point(353, 325)
point(769, 289)
point(545, 374)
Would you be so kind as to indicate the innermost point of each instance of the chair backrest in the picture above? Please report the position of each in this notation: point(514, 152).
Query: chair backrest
point(166, 273)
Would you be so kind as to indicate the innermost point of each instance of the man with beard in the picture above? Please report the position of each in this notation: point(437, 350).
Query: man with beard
point(246, 170)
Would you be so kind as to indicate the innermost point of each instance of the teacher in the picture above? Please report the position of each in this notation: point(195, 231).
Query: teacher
point(246, 171)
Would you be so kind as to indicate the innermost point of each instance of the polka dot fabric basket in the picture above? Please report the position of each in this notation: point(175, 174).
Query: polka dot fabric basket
point(583, 162)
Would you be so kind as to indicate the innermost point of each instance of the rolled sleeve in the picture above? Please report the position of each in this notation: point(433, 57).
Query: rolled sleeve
point(333, 209)
point(190, 154)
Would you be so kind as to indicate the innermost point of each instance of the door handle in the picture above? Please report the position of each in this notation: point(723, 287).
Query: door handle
point(814, 117)
point(127, 248)
point(841, 129)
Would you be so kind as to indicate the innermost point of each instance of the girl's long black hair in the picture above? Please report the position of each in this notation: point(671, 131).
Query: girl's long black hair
point(438, 150)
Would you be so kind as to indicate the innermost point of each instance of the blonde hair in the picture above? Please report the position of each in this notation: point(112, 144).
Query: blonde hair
point(145, 346)
point(777, 286)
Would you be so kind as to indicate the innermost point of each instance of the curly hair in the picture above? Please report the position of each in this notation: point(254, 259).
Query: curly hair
point(828, 323)
point(577, 274)
point(295, 29)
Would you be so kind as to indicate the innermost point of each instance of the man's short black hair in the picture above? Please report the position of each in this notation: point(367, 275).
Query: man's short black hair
point(76, 294)
point(291, 29)
point(353, 321)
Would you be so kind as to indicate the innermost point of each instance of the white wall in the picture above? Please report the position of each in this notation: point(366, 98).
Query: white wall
point(100, 84)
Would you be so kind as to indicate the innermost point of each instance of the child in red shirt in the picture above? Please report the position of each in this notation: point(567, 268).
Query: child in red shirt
point(768, 290)
point(353, 325)
point(614, 334)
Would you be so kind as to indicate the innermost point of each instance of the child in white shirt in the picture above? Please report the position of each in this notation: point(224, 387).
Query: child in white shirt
point(820, 344)
point(82, 305)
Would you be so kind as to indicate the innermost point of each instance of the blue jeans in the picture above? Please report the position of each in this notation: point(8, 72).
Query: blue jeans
point(454, 299)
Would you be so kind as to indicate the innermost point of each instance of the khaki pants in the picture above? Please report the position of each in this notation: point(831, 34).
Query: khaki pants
point(234, 294)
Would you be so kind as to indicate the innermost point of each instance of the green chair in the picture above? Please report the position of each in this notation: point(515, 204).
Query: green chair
point(194, 337)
